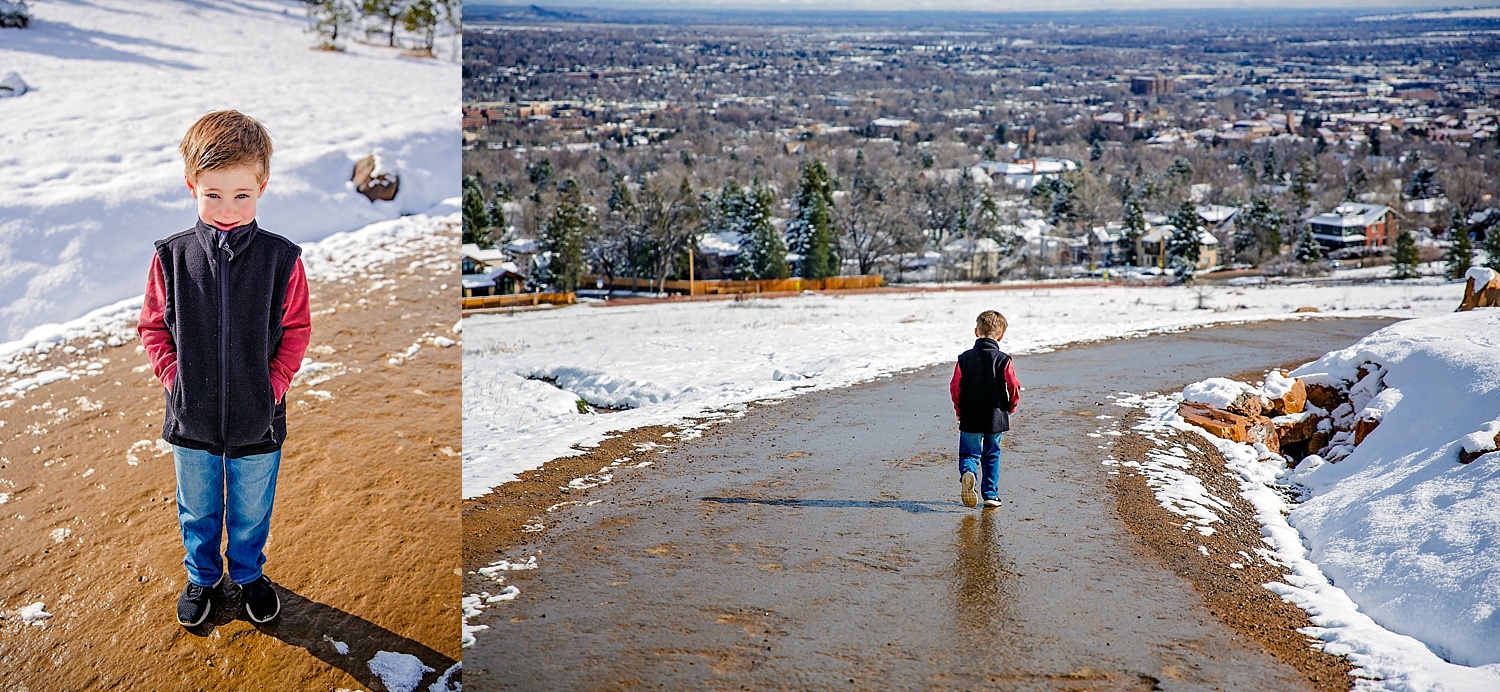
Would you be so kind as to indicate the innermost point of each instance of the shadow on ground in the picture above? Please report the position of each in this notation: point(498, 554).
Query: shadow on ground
point(912, 506)
point(310, 625)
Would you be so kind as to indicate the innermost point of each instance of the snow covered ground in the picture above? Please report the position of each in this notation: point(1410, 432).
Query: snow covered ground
point(1392, 552)
point(343, 256)
point(89, 170)
point(525, 374)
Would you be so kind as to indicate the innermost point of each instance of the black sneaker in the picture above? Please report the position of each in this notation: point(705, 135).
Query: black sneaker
point(193, 605)
point(261, 603)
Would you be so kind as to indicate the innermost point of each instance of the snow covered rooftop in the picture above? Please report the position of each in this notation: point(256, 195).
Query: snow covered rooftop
point(1352, 214)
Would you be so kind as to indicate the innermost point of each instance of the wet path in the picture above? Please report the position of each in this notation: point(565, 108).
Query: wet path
point(819, 544)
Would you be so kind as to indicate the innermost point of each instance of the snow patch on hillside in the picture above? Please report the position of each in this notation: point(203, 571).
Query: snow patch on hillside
point(89, 169)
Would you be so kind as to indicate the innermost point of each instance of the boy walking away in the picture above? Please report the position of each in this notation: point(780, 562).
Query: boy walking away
point(225, 322)
point(985, 391)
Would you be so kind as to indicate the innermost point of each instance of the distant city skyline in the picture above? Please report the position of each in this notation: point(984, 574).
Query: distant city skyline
point(991, 5)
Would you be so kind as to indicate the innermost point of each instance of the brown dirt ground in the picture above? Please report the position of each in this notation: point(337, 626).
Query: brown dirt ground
point(492, 522)
point(364, 538)
point(1235, 596)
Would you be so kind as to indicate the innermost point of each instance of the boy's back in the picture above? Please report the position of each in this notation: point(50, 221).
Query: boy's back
point(985, 392)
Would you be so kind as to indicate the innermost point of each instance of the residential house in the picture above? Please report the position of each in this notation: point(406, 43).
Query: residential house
point(1353, 224)
point(487, 273)
point(1151, 247)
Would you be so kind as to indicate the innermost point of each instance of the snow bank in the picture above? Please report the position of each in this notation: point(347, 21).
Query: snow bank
point(1392, 554)
point(524, 374)
point(342, 256)
point(89, 180)
point(1399, 524)
point(1218, 392)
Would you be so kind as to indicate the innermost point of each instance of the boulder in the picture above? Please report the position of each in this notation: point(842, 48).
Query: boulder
point(1481, 288)
point(1297, 427)
point(1325, 397)
point(1220, 424)
point(1248, 405)
point(374, 180)
point(1289, 398)
point(12, 85)
point(1363, 427)
point(1260, 429)
point(1306, 308)
point(1480, 443)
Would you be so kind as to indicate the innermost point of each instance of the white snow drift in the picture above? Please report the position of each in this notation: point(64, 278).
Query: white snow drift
point(1393, 552)
point(89, 170)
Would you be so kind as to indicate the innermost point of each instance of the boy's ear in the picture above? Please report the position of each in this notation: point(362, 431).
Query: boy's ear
point(263, 186)
point(191, 187)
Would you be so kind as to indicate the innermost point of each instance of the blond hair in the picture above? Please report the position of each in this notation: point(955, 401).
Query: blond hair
point(226, 139)
point(991, 325)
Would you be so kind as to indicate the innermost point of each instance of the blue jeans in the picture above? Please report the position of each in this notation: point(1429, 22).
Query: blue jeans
point(979, 453)
point(204, 482)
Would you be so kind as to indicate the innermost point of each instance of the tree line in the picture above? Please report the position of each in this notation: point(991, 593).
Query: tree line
point(336, 19)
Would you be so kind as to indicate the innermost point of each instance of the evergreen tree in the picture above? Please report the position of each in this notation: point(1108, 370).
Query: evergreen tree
point(1135, 227)
point(1423, 184)
point(1460, 248)
point(1185, 244)
point(563, 238)
point(1270, 172)
point(1308, 251)
point(1302, 184)
point(495, 211)
point(420, 17)
point(1404, 260)
point(1492, 248)
point(1258, 229)
point(476, 221)
point(389, 12)
point(762, 251)
point(329, 17)
point(810, 234)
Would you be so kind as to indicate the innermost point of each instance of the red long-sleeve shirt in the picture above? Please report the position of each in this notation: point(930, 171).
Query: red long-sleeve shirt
point(296, 330)
point(1012, 386)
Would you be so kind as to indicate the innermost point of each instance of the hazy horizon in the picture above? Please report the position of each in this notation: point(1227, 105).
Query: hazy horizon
point(996, 6)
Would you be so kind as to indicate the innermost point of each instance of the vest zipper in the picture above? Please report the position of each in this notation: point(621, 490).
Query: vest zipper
point(226, 255)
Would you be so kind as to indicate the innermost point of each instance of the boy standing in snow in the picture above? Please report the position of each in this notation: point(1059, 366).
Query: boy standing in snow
point(985, 392)
point(225, 322)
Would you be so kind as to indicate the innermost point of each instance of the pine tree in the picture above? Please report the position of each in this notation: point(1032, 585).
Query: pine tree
point(1404, 260)
point(495, 211)
point(1185, 244)
point(421, 17)
point(1258, 229)
point(563, 238)
point(1135, 227)
point(1492, 248)
point(810, 234)
point(1302, 184)
point(1308, 251)
point(476, 221)
point(1461, 248)
point(329, 17)
point(762, 251)
point(389, 12)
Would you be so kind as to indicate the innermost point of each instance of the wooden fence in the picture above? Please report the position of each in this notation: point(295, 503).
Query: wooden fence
point(724, 287)
point(518, 300)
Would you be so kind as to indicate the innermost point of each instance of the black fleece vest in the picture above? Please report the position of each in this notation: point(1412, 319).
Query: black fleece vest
point(224, 304)
point(983, 399)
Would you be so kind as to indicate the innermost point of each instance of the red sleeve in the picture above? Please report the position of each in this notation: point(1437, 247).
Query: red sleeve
point(953, 389)
point(296, 333)
point(1012, 385)
point(152, 327)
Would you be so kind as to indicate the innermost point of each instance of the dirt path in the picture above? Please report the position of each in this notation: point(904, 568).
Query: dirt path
point(363, 539)
point(817, 543)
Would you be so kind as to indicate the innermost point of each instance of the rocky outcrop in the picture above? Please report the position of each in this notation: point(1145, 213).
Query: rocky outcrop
point(374, 180)
point(1481, 289)
point(1295, 418)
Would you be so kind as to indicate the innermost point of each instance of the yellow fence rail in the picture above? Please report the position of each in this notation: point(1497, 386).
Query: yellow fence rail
point(518, 300)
